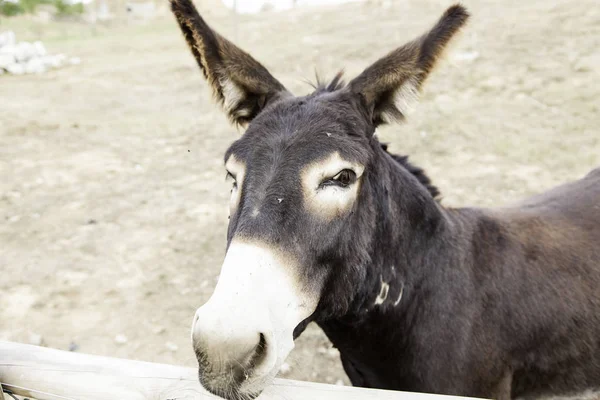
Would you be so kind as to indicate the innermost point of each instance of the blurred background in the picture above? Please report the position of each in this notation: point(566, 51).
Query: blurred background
point(113, 202)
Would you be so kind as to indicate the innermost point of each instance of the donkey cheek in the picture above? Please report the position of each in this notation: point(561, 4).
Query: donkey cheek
point(331, 203)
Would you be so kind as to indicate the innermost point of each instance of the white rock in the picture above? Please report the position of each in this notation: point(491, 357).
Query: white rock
point(61, 58)
point(285, 368)
point(52, 61)
point(588, 63)
point(35, 66)
point(121, 339)
point(339, 382)
point(159, 330)
point(30, 58)
point(16, 69)
point(40, 49)
point(493, 82)
point(467, 56)
point(24, 51)
point(36, 340)
point(256, 6)
point(8, 49)
point(7, 38)
point(171, 346)
point(6, 60)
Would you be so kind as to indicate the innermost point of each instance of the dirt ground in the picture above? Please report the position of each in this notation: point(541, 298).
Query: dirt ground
point(113, 202)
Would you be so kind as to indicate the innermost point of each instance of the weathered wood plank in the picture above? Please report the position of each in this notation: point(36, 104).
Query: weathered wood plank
point(48, 374)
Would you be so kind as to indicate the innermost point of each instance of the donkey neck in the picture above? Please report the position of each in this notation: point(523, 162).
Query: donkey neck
point(409, 249)
point(412, 236)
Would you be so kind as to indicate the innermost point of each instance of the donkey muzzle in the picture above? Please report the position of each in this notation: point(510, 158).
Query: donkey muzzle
point(244, 333)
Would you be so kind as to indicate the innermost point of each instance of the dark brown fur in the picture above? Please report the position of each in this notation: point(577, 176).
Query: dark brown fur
point(496, 303)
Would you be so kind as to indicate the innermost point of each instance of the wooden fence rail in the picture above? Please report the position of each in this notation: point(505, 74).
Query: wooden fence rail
point(48, 374)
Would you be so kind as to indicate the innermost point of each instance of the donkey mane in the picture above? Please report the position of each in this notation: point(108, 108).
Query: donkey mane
point(335, 84)
point(417, 172)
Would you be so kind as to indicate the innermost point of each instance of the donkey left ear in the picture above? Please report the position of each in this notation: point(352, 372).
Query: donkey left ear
point(391, 85)
point(239, 83)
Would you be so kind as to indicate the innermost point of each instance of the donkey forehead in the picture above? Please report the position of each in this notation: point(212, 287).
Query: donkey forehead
point(299, 131)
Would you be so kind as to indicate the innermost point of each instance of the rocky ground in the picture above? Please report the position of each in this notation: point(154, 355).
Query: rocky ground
point(113, 203)
point(18, 58)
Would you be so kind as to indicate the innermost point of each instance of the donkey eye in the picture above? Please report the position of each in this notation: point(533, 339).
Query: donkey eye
point(344, 178)
point(231, 178)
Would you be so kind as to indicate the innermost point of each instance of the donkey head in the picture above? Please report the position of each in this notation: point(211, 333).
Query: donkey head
point(302, 208)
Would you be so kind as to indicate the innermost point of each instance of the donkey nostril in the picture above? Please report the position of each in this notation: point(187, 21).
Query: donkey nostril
point(260, 351)
point(262, 342)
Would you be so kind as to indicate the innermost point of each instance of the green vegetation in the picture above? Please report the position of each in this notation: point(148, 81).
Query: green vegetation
point(10, 8)
point(63, 8)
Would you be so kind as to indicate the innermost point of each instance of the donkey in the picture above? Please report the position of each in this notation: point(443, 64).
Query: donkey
point(326, 226)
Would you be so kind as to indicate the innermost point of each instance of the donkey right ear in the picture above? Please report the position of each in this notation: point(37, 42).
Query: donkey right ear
point(239, 83)
point(390, 86)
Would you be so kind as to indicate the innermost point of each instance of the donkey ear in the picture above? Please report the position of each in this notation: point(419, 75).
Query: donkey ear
point(391, 85)
point(239, 83)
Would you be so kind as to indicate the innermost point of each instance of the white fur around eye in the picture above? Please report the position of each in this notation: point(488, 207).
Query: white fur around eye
point(237, 171)
point(233, 199)
point(329, 201)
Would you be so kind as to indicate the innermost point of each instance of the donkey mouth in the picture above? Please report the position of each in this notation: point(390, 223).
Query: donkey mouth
point(229, 386)
point(231, 381)
point(231, 394)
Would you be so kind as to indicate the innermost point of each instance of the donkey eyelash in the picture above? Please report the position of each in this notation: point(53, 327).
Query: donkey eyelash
point(230, 176)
